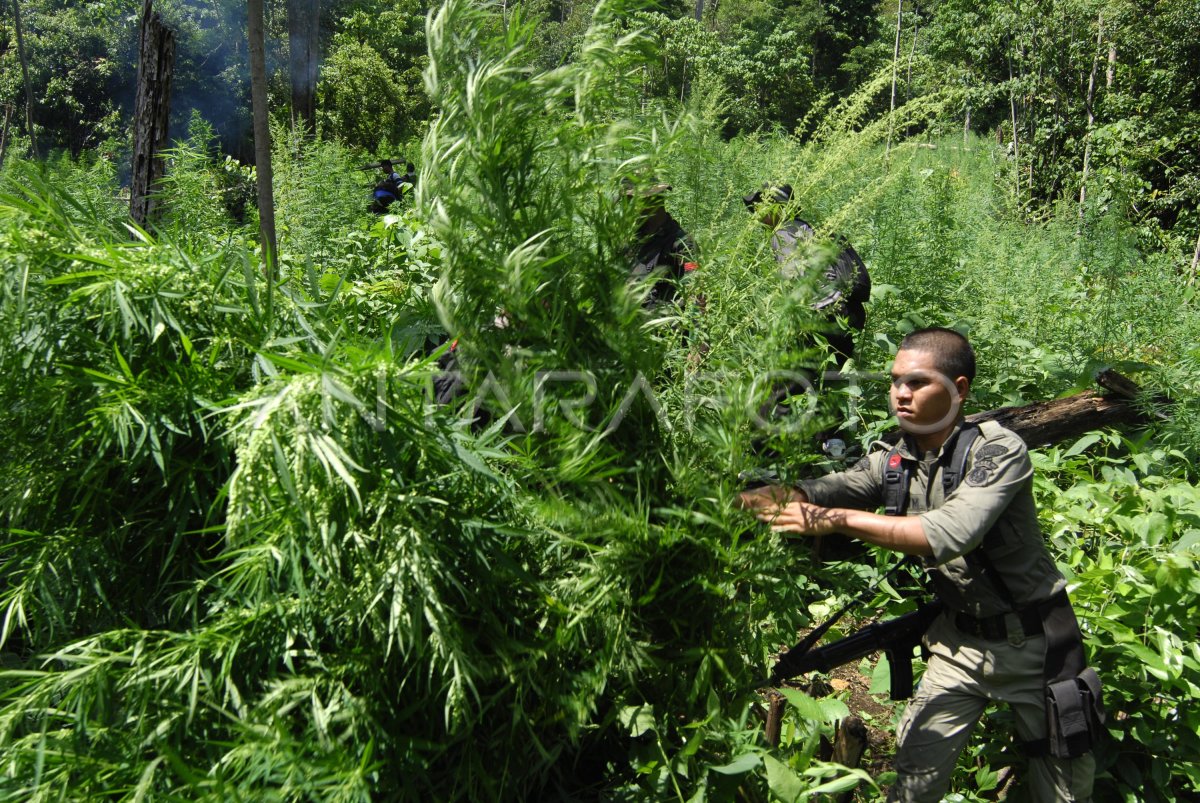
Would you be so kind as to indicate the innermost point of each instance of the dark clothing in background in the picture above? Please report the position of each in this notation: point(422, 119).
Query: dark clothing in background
point(844, 288)
point(666, 249)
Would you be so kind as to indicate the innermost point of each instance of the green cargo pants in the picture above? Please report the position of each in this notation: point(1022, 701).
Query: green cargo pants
point(963, 676)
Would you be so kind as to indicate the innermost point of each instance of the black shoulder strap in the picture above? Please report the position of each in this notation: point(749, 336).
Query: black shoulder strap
point(897, 473)
point(952, 472)
point(952, 475)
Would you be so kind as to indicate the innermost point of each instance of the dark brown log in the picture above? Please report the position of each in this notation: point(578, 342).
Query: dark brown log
point(152, 114)
point(1044, 423)
point(304, 29)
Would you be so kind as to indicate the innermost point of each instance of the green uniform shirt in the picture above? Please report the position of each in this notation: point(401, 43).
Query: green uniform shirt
point(992, 509)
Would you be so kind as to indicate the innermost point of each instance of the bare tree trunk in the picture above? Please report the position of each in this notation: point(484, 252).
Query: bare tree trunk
point(8, 110)
point(304, 29)
point(25, 75)
point(1195, 262)
point(1016, 151)
point(887, 150)
point(1112, 64)
point(262, 135)
point(967, 122)
point(699, 10)
point(151, 113)
point(1091, 114)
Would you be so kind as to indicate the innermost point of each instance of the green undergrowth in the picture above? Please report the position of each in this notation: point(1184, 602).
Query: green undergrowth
point(246, 557)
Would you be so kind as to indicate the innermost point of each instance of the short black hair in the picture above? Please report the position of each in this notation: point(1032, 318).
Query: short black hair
point(385, 163)
point(951, 350)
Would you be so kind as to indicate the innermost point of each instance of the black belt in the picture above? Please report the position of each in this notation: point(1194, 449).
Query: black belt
point(995, 628)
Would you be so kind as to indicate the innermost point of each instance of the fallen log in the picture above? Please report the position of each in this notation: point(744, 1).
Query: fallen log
point(1048, 422)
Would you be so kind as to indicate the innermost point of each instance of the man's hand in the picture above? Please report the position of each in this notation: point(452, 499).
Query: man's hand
point(802, 518)
point(769, 497)
point(788, 510)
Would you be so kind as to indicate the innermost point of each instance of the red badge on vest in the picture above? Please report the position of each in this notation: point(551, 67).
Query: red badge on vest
point(894, 461)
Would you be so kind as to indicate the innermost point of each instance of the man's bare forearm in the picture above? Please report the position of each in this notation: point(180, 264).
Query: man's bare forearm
point(898, 533)
point(786, 511)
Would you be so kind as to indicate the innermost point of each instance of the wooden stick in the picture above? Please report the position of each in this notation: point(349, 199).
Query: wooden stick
point(773, 727)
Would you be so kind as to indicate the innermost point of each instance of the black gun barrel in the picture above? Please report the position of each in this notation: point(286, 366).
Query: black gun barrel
point(896, 637)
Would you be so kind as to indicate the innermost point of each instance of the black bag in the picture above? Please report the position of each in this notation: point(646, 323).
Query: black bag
point(1074, 714)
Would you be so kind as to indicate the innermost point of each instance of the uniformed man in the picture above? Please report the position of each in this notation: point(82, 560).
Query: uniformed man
point(663, 247)
point(1008, 633)
point(845, 285)
point(843, 289)
point(388, 189)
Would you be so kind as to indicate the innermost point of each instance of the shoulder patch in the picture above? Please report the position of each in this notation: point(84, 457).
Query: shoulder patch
point(990, 450)
point(981, 472)
point(979, 475)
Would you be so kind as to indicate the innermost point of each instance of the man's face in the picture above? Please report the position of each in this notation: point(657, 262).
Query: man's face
point(924, 400)
point(769, 213)
point(653, 213)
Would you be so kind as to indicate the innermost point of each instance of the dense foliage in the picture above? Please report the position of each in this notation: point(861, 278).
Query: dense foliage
point(245, 555)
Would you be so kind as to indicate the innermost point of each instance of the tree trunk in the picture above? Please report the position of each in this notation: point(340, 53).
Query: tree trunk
point(1195, 262)
point(25, 76)
point(8, 110)
point(1112, 65)
point(304, 29)
point(1044, 423)
point(1016, 151)
point(1091, 115)
point(262, 135)
point(151, 114)
point(895, 61)
point(699, 10)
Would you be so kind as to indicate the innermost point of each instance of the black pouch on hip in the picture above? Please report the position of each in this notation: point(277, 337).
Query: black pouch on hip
point(1074, 714)
point(1074, 706)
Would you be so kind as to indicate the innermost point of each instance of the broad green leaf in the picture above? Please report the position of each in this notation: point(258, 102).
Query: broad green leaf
point(784, 783)
point(833, 709)
point(742, 764)
point(808, 708)
point(881, 676)
point(639, 719)
point(1083, 443)
point(843, 784)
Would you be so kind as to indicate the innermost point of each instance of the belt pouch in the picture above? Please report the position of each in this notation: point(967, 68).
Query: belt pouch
point(1074, 714)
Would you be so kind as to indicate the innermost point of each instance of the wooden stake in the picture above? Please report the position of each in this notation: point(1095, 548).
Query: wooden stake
point(773, 727)
point(849, 744)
